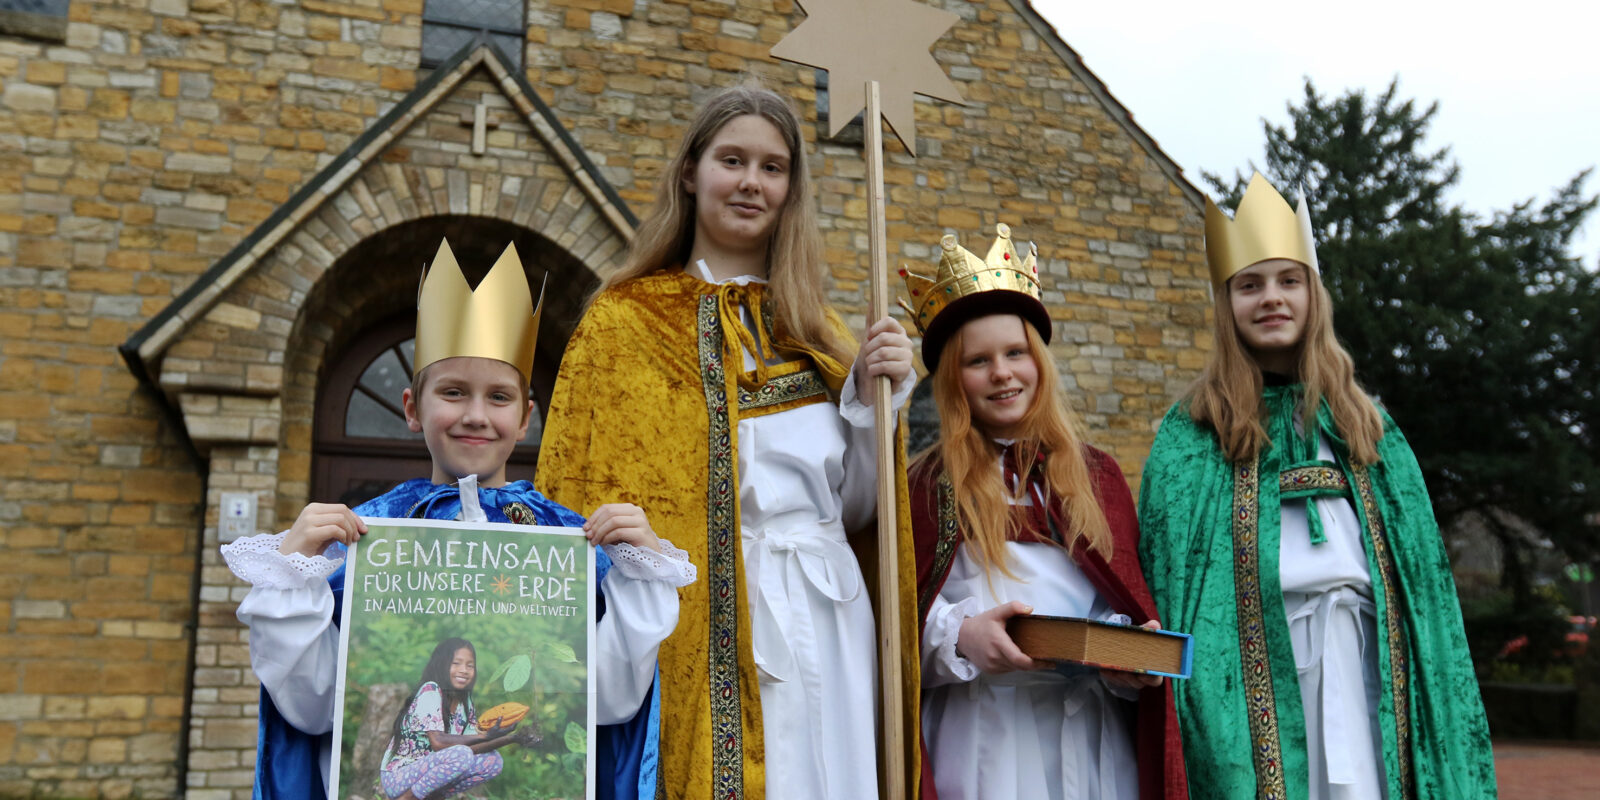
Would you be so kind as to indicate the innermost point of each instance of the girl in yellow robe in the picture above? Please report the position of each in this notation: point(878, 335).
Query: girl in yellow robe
point(710, 382)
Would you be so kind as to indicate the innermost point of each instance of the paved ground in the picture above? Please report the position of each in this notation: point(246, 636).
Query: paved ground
point(1547, 771)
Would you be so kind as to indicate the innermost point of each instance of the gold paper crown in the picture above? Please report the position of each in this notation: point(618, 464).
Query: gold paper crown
point(1263, 227)
point(962, 274)
point(498, 321)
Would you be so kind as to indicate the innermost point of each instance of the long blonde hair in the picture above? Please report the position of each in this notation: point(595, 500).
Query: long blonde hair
point(796, 273)
point(1049, 429)
point(1228, 394)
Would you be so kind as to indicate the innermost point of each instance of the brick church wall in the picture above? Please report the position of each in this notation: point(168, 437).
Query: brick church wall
point(158, 134)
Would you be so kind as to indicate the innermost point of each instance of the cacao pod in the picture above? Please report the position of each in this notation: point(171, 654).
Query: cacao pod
point(505, 714)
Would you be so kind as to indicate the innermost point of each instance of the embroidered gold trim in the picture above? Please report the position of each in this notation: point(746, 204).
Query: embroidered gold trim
point(1260, 701)
point(944, 548)
point(1394, 628)
point(1310, 479)
point(727, 752)
point(783, 392)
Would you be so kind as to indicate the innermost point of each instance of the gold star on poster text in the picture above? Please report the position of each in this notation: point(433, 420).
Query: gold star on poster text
point(887, 41)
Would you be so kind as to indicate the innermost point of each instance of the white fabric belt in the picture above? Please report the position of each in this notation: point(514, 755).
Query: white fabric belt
point(1081, 692)
point(1339, 719)
point(1075, 783)
point(784, 566)
point(782, 562)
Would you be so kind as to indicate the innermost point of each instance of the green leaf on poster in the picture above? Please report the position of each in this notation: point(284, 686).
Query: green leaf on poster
point(577, 739)
point(518, 672)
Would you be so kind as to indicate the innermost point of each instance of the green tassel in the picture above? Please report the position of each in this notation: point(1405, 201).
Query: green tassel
point(1315, 522)
point(1302, 451)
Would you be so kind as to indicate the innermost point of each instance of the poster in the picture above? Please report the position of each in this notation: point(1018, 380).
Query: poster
point(474, 617)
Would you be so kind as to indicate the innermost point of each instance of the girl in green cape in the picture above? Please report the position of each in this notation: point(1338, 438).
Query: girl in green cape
point(1285, 524)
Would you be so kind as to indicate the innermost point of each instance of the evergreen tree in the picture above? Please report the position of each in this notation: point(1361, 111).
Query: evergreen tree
point(1481, 337)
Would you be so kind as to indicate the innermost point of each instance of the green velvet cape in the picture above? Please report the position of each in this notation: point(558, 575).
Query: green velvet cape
point(1209, 546)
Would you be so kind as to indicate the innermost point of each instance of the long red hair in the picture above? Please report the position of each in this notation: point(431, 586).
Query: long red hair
point(1049, 430)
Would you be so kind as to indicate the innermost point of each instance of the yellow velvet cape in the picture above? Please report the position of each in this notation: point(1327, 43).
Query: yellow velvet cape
point(646, 411)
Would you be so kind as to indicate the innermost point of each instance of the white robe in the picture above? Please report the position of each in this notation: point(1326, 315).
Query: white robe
point(1327, 597)
point(1028, 734)
point(294, 645)
point(806, 476)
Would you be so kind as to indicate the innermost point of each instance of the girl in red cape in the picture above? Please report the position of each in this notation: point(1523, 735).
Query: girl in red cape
point(1014, 514)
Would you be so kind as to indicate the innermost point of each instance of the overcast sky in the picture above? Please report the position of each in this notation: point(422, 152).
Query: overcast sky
point(1518, 84)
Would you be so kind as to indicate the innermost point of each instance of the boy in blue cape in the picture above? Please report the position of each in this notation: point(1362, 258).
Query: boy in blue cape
point(469, 400)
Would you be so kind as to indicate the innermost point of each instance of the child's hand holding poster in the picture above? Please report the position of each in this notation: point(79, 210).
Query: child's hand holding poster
point(464, 662)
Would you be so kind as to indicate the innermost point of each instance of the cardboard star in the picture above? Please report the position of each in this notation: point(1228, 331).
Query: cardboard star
point(887, 41)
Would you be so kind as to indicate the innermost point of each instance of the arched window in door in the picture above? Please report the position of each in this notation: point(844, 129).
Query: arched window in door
point(361, 446)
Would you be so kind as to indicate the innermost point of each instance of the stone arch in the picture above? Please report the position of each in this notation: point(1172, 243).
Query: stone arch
point(472, 140)
point(352, 295)
point(252, 321)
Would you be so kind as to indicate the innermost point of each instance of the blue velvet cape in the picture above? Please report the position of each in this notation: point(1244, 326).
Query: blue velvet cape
point(626, 755)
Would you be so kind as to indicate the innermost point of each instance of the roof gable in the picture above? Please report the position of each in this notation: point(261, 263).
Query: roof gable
point(151, 342)
point(1113, 107)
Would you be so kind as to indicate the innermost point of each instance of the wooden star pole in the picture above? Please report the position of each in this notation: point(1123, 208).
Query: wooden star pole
point(875, 44)
point(893, 756)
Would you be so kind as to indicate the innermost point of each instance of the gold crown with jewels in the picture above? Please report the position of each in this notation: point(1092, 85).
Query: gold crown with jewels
point(498, 320)
point(962, 274)
point(1263, 227)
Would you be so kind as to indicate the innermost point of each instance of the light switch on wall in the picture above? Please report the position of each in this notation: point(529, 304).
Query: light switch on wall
point(238, 516)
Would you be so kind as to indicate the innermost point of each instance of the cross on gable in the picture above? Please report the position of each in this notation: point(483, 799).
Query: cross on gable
point(480, 119)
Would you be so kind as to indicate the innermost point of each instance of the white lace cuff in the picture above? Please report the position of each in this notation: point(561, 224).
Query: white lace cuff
point(670, 566)
point(948, 625)
point(256, 560)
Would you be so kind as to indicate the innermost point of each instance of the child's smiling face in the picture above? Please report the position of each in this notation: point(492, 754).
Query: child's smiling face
point(998, 373)
point(463, 669)
point(472, 412)
point(1270, 302)
point(739, 185)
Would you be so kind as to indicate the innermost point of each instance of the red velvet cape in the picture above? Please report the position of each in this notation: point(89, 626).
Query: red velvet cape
point(1120, 582)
